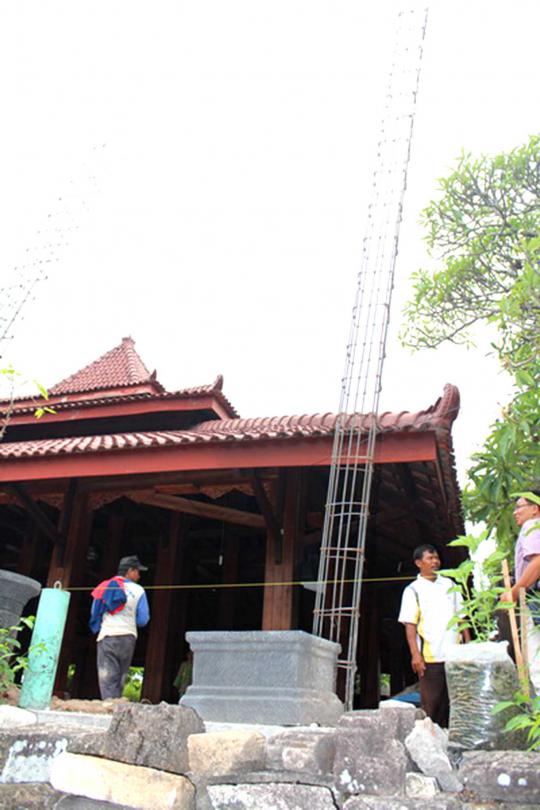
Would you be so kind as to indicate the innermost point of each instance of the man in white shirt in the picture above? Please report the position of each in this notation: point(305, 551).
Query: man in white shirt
point(120, 606)
point(427, 606)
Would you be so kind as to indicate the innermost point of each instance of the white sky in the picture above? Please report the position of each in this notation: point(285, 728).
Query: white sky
point(225, 231)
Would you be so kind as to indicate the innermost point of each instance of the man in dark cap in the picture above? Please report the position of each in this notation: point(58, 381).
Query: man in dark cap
point(120, 606)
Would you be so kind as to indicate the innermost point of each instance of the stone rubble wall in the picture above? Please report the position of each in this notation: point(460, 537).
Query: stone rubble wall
point(161, 756)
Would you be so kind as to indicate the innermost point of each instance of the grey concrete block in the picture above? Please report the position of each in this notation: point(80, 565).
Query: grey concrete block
point(153, 736)
point(267, 677)
point(509, 776)
point(15, 591)
point(310, 751)
point(276, 796)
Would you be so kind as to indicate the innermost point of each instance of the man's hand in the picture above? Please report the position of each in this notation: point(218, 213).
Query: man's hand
point(418, 664)
point(507, 596)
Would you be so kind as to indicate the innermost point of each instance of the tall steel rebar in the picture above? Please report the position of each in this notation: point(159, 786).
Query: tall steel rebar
point(337, 606)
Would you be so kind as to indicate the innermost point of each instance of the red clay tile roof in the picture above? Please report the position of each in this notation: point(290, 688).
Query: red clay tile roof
point(212, 390)
point(438, 417)
point(120, 367)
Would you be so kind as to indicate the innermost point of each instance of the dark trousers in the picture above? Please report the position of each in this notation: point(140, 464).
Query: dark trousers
point(434, 694)
point(114, 655)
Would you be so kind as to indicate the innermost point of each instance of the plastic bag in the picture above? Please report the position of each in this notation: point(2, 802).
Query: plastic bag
point(479, 676)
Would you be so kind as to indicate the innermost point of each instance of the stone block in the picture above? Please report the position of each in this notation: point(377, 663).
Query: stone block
point(27, 753)
point(427, 746)
point(309, 752)
point(88, 742)
point(366, 765)
point(153, 736)
point(390, 723)
point(11, 716)
point(28, 797)
point(272, 796)
point(225, 752)
point(418, 786)
point(267, 677)
point(383, 803)
point(510, 776)
point(131, 785)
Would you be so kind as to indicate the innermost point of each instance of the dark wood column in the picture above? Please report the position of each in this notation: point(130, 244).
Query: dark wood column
point(163, 633)
point(228, 596)
point(68, 564)
point(278, 606)
point(368, 655)
point(32, 551)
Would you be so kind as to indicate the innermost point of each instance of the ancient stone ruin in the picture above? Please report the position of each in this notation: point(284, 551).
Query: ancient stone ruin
point(165, 756)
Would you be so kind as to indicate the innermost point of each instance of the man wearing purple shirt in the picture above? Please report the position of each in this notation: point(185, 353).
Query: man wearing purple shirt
point(527, 572)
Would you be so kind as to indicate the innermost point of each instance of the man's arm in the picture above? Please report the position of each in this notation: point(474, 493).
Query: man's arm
point(96, 615)
point(530, 575)
point(417, 659)
point(142, 616)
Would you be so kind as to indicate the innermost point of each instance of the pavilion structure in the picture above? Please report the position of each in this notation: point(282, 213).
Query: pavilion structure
point(208, 499)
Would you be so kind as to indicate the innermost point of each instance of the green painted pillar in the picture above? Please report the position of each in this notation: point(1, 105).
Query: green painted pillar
point(38, 682)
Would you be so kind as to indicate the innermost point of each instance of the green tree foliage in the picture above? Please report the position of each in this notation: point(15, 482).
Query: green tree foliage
point(483, 233)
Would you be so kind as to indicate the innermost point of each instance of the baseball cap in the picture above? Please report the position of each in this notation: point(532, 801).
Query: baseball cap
point(131, 562)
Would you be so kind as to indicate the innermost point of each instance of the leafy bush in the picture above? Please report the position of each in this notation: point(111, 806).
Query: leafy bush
point(12, 660)
point(478, 613)
point(133, 685)
point(528, 719)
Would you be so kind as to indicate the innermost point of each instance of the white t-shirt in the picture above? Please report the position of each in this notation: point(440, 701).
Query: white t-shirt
point(429, 605)
point(124, 622)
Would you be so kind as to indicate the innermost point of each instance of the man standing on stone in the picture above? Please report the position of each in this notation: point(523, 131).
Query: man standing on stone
point(120, 606)
point(527, 574)
point(427, 606)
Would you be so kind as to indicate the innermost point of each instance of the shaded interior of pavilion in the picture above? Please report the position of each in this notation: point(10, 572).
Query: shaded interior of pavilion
point(218, 573)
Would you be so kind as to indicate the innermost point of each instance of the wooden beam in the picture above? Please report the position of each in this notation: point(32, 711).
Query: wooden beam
point(38, 516)
point(275, 532)
point(199, 509)
point(294, 452)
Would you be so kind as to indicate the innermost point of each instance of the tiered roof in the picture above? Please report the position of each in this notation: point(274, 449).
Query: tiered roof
point(119, 368)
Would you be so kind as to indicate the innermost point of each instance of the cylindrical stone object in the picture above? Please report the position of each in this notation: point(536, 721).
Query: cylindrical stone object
point(38, 682)
point(15, 592)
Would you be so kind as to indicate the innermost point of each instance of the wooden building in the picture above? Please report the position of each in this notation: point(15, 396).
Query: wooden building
point(206, 498)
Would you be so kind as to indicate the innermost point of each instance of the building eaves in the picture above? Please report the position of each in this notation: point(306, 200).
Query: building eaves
point(438, 417)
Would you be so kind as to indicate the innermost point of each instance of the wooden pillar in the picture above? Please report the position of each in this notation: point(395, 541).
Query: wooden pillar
point(158, 675)
point(368, 655)
point(113, 547)
point(32, 548)
point(278, 605)
point(228, 596)
point(68, 564)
